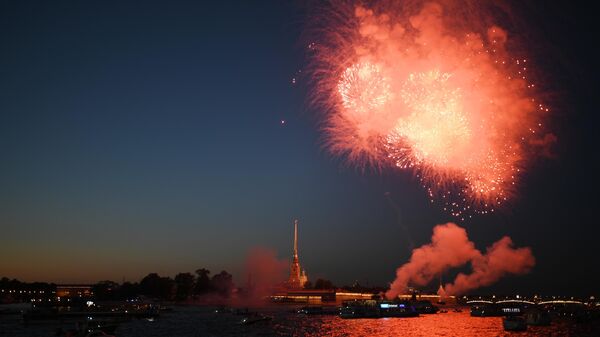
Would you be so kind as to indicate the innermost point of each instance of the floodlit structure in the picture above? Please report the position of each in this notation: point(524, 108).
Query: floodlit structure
point(298, 276)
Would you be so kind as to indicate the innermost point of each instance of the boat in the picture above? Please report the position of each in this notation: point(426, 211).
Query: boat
point(359, 309)
point(485, 310)
point(241, 311)
point(376, 309)
point(107, 327)
point(309, 310)
point(393, 309)
point(514, 323)
point(38, 314)
point(223, 310)
point(163, 308)
point(90, 328)
point(424, 307)
point(317, 310)
point(75, 333)
point(98, 333)
point(255, 318)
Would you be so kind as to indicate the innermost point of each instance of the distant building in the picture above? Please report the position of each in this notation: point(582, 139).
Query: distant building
point(298, 276)
point(442, 294)
point(415, 296)
point(74, 290)
point(19, 292)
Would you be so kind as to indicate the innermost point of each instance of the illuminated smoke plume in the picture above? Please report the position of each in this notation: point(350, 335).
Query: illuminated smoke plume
point(434, 88)
point(500, 259)
point(264, 272)
point(450, 247)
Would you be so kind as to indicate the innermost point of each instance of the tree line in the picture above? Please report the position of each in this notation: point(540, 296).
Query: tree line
point(184, 286)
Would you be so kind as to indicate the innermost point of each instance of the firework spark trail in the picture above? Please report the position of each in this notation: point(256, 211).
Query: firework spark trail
point(406, 86)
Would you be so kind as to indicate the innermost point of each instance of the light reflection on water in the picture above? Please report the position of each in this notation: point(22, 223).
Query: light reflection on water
point(198, 321)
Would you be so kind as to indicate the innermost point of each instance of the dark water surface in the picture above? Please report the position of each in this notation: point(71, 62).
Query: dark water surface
point(202, 321)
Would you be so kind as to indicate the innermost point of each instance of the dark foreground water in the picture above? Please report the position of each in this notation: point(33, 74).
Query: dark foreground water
point(202, 321)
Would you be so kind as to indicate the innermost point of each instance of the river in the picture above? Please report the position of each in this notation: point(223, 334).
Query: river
point(203, 321)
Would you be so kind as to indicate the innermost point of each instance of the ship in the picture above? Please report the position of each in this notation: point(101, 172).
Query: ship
point(376, 309)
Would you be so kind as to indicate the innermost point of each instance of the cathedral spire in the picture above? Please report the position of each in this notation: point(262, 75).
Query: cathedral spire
point(295, 239)
point(297, 276)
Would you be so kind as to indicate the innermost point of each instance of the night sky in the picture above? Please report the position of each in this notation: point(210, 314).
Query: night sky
point(140, 137)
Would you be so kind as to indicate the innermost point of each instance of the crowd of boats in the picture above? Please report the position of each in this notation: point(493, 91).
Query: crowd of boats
point(93, 319)
point(516, 316)
point(85, 320)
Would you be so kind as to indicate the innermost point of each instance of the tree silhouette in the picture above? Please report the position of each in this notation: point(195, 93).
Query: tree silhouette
point(323, 284)
point(150, 285)
point(222, 283)
point(185, 285)
point(203, 285)
point(105, 290)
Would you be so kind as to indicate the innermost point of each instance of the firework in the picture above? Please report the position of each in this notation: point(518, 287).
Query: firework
point(363, 90)
point(432, 89)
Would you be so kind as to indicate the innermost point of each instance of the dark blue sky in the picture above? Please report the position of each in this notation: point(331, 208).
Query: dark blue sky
point(146, 137)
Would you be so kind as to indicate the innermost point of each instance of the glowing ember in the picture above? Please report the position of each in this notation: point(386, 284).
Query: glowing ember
point(436, 130)
point(363, 89)
point(408, 89)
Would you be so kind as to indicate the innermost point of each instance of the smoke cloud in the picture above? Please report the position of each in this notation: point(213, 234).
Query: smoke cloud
point(264, 272)
point(450, 247)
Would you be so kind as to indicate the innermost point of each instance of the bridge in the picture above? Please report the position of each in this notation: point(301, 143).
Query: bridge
point(526, 302)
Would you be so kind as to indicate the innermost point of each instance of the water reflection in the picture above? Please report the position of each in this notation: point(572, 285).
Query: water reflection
point(202, 321)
